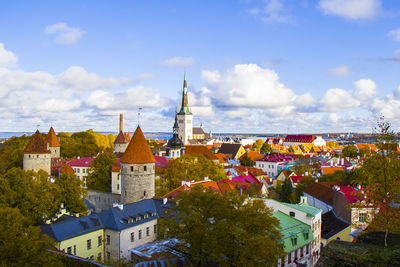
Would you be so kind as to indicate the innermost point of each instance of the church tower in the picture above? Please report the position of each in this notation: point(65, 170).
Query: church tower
point(36, 155)
point(137, 170)
point(52, 143)
point(175, 146)
point(185, 117)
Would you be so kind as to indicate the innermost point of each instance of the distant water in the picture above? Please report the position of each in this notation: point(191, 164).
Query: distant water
point(157, 135)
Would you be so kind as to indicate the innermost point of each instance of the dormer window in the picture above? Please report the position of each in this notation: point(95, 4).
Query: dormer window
point(291, 214)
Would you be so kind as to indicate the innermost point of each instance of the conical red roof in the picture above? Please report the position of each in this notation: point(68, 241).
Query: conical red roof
point(121, 139)
point(138, 151)
point(36, 145)
point(51, 139)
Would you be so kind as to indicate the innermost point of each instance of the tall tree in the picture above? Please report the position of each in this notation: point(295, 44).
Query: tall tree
point(350, 151)
point(228, 230)
point(72, 192)
point(381, 180)
point(285, 190)
point(99, 177)
point(246, 161)
point(188, 167)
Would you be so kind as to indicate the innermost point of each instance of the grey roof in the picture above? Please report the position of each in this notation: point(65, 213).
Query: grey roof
point(227, 148)
point(198, 130)
point(114, 218)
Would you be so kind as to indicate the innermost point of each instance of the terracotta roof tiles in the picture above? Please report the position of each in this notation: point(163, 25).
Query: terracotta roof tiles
point(121, 138)
point(37, 145)
point(138, 151)
point(66, 169)
point(52, 139)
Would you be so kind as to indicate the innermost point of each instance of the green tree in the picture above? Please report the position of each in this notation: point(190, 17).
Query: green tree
point(11, 153)
point(99, 177)
point(246, 161)
point(215, 229)
point(285, 190)
point(266, 148)
point(304, 183)
point(350, 151)
point(258, 145)
point(188, 167)
point(81, 144)
point(72, 193)
point(22, 244)
point(380, 177)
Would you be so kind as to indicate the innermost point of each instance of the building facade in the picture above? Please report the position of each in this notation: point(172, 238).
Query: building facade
point(36, 156)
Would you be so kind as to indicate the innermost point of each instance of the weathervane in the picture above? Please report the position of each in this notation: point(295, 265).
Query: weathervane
point(138, 118)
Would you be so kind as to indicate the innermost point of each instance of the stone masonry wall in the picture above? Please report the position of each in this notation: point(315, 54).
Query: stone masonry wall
point(137, 182)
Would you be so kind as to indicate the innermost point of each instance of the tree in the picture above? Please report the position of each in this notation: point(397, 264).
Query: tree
point(72, 193)
point(304, 183)
point(81, 144)
point(188, 167)
point(11, 153)
point(350, 151)
point(258, 145)
point(99, 177)
point(22, 244)
point(381, 182)
point(285, 190)
point(266, 148)
point(246, 161)
point(216, 229)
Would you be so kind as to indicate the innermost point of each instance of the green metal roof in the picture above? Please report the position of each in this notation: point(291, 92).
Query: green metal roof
point(310, 210)
point(292, 228)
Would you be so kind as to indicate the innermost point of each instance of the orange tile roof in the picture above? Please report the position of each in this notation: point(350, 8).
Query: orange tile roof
point(253, 155)
point(138, 151)
point(116, 168)
point(66, 169)
point(221, 157)
point(121, 138)
point(331, 170)
point(36, 145)
point(52, 139)
point(202, 150)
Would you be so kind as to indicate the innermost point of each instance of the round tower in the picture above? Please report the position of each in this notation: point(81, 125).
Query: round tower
point(36, 156)
point(137, 170)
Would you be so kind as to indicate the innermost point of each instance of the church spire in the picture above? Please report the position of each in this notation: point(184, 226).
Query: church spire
point(184, 107)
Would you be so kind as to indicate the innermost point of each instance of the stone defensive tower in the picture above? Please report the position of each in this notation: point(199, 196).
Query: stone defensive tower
point(52, 143)
point(137, 170)
point(122, 140)
point(36, 155)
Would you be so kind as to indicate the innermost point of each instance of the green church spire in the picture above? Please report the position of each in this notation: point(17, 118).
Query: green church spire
point(184, 107)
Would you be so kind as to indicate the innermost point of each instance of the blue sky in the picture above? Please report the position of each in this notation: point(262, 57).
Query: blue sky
point(252, 65)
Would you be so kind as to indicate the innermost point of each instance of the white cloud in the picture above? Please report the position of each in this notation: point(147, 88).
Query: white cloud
point(178, 61)
point(272, 11)
point(337, 99)
point(341, 71)
point(365, 90)
point(395, 34)
point(351, 9)
point(63, 33)
point(333, 117)
point(7, 58)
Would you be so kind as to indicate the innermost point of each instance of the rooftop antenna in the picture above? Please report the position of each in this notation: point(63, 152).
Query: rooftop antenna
point(138, 118)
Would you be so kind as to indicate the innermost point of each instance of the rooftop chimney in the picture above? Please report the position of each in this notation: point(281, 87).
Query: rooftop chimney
point(120, 123)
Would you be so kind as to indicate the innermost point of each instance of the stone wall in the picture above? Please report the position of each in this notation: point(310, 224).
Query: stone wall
point(102, 200)
point(137, 182)
point(35, 162)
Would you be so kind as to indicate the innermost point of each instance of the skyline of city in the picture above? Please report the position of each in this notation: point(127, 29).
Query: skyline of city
point(252, 66)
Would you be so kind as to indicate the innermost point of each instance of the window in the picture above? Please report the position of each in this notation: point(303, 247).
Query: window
point(37, 156)
point(77, 170)
point(144, 193)
point(362, 217)
point(100, 241)
point(289, 260)
point(291, 214)
point(306, 236)
point(92, 257)
point(132, 237)
point(117, 186)
point(140, 234)
point(89, 243)
point(155, 229)
point(307, 249)
point(294, 241)
point(131, 168)
point(144, 168)
point(108, 256)
point(69, 250)
point(99, 257)
point(74, 249)
point(147, 231)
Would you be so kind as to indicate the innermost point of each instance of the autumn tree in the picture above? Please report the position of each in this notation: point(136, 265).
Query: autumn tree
point(285, 190)
point(350, 151)
point(99, 177)
point(11, 153)
point(81, 144)
point(226, 230)
point(246, 161)
point(381, 182)
point(72, 192)
point(266, 148)
point(22, 244)
point(188, 167)
point(258, 145)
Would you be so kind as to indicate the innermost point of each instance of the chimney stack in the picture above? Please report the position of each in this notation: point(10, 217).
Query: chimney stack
point(120, 123)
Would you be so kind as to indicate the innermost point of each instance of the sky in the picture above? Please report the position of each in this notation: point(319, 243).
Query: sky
point(253, 66)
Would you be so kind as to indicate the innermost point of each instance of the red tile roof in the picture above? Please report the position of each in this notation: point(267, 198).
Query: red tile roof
point(202, 150)
point(36, 145)
point(121, 139)
point(52, 139)
point(253, 155)
point(138, 151)
point(161, 162)
point(66, 169)
point(81, 162)
point(300, 138)
point(296, 179)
